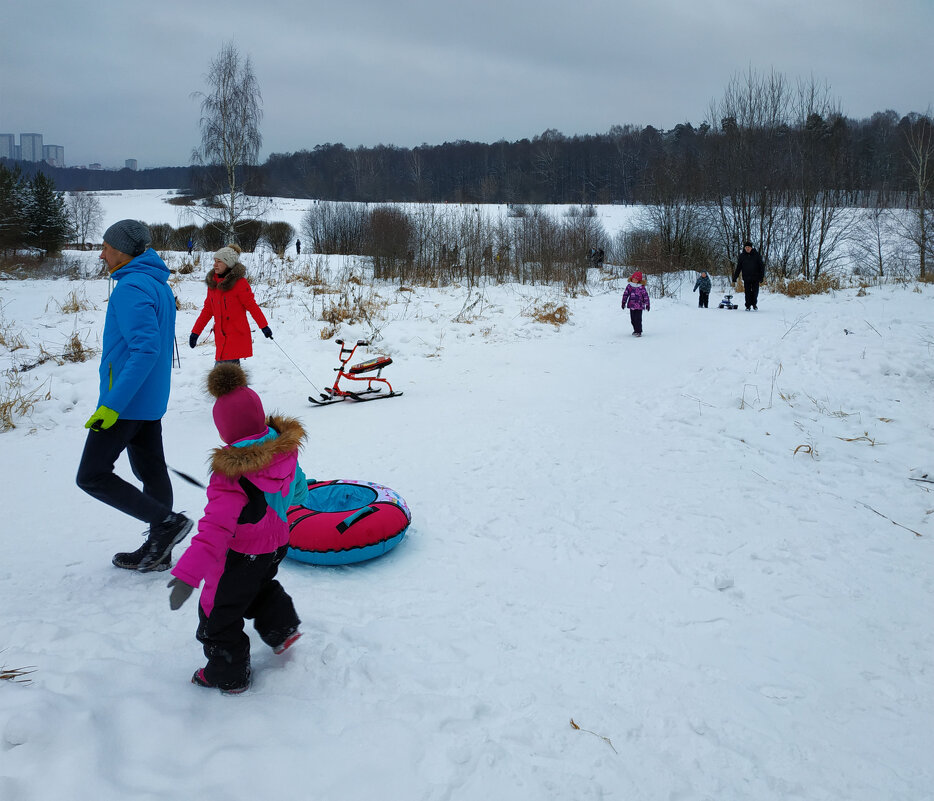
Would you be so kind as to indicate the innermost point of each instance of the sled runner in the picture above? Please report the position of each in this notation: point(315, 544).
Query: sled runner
point(335, 394)
point(727, 303)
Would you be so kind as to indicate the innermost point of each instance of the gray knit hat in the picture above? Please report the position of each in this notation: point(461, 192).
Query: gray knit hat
point(228, 255)
point(128, 236)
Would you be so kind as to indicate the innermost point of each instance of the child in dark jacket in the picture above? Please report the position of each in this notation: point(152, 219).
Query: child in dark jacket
point(636, 299)
point(703, 284)
point(243, 535)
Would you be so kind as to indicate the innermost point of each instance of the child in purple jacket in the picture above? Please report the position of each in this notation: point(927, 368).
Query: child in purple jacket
point(243, 535)
point(636, 299)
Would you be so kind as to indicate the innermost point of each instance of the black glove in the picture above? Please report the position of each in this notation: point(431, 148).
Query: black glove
point(267, 332)
point(179, 594)
point(192, 339)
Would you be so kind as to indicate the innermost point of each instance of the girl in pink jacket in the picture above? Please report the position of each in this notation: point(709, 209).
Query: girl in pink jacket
point(243, 535)
point(636, 299)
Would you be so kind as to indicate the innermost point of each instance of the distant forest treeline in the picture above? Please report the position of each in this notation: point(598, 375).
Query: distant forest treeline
point(867, 160)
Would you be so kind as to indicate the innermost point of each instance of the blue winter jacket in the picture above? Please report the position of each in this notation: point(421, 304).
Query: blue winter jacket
point(139, 335)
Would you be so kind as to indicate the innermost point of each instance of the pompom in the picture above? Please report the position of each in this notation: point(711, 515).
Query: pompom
point(225, 378)
point(236, 247)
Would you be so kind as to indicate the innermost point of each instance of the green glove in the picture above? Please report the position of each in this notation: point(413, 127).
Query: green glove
point(180, 593)
point(102, 418)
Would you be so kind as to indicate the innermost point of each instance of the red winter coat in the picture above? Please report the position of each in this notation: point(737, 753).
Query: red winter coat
point(229, 299)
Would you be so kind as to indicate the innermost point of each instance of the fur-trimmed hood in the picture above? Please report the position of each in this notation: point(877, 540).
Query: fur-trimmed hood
point(229, 278)
point(242, 459)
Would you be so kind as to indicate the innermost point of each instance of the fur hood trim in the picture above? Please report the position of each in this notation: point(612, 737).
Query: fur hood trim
point(235, 462)
point(230, 278)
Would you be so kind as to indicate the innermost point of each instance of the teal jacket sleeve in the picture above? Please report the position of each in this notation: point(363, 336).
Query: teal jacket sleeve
point(299, 487)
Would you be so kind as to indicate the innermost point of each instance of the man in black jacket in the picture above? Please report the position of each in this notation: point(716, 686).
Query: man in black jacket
point(750, 265)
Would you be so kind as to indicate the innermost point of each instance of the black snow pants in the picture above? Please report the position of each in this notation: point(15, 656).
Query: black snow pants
point(752, 294)
point(247, 589)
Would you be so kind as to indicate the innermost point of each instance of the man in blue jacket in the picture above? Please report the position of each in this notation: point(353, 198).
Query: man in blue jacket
point(135, 375)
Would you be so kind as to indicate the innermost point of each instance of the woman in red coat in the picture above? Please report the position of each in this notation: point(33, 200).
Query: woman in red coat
point(229, 299)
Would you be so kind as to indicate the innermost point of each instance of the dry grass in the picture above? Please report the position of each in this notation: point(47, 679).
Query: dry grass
point(73, 304)
point(16, 675)
point(310, 276)
point(353, 307)
point(548, 311)
point(10, 339)
point(76, 351)
point(15, 402)
point(472, 309)
point(800, 288)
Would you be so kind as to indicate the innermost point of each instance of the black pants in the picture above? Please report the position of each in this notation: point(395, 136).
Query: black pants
point(702, 299)
point(142, 441)
point(247, 589)
point(752, 294)
point(635, 317)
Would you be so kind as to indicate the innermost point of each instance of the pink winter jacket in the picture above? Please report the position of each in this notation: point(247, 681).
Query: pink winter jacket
point(636, 296)
point(253, 483)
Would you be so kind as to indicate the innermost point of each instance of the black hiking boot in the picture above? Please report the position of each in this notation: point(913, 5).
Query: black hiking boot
point(130, 560)
point(162, 538)
point(201, 681)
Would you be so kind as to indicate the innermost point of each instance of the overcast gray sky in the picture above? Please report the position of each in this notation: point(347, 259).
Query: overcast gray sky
point(113, 79)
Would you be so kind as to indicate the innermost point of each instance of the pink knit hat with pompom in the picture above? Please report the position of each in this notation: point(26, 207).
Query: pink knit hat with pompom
point(238, 410)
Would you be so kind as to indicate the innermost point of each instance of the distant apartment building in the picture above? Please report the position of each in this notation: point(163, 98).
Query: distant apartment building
point(54, 155)
point(30, 145)
point(30, 148)
point(131, 164)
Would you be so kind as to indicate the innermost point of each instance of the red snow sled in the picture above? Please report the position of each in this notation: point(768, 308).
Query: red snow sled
point(356, 372)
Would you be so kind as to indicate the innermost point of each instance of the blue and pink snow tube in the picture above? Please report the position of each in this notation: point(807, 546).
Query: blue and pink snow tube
point(342, 521)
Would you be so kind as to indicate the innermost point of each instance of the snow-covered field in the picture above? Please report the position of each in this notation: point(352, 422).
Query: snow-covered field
point(710, 548)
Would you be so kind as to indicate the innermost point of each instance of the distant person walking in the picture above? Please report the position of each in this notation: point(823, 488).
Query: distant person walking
point(135, 377)
point(703, 285)
point(298, 247)
point(229, 299)
point(636, 299)
point(750, 266)
point(190, 245)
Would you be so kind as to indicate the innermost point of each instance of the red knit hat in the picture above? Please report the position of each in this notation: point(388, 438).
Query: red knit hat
point(238, 410)
point(636, 277)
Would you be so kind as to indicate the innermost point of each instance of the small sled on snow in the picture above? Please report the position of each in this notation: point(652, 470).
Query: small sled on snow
point(375, 384)
point(727, 303)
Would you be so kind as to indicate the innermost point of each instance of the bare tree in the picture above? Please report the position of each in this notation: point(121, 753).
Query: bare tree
point(919, 142)
point(872, 247)
point(231, 112)
point(816, 199)
point(85, 214)
point(750, 162)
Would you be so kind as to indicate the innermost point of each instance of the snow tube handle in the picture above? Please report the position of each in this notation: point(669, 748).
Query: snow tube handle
point(357, 516)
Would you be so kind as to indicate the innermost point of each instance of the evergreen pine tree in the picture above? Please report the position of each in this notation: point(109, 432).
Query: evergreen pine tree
point(47, 224)
point(12, 209)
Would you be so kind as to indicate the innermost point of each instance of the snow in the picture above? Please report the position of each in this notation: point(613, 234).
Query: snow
point(709, 547)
